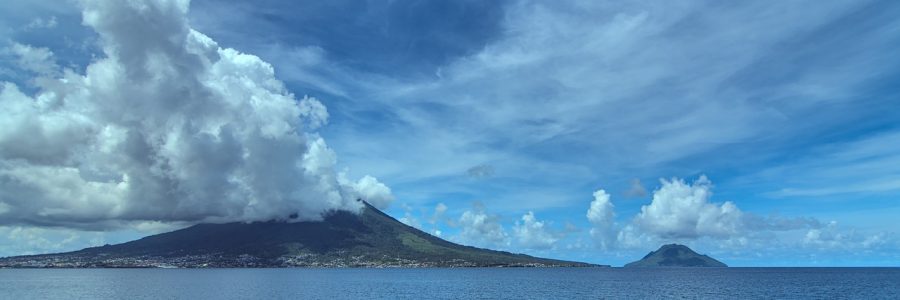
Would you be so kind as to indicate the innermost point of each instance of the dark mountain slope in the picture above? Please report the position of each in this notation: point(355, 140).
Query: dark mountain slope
point(370, 238)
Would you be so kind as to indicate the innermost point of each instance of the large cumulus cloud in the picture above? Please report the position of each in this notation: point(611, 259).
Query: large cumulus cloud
point(166, 126)
point(682, 210)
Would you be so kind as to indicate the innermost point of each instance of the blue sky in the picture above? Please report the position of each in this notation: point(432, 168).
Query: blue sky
point(762, 133)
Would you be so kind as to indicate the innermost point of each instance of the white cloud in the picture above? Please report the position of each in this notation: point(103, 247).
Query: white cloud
point(157, 227)
point(601, 211)
point(24, 240)
point(533, 234)
point(636, 189)
point(37, 60)
point(375, 193)
point(41, 23)
point(834, 237)
point(631, 237)
point(602, 216)
point(423, 221)
point(410, 220)
point(313, 112)
point(481, 171)
point(479, 229)
point(827, 236)
point(167, 126)
point(681, 210)
point(439, 210)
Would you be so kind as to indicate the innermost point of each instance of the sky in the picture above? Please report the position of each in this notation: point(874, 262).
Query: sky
point(763, 133)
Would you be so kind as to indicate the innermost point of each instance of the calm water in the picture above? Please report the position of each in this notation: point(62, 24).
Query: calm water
point(589, 283)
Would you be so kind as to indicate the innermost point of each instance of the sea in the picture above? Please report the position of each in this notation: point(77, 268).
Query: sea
point(456, 283)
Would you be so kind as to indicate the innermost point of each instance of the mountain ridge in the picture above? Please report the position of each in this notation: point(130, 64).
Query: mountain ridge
point(342, 239)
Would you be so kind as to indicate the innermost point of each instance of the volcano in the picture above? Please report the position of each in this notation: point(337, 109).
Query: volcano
point(370, 238)
point(675, 255)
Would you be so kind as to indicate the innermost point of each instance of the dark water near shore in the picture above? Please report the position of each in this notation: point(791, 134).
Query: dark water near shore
point(516, 283)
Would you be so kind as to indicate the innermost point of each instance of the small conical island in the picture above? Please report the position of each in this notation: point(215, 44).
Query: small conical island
point(675, 255)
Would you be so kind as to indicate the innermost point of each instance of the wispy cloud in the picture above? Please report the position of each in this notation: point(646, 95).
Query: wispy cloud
point(862, 166)
point(631, 89)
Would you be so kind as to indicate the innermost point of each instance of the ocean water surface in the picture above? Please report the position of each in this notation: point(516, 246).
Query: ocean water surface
point(462, 283)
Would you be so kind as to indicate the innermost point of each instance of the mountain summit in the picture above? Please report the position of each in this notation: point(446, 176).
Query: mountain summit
point(675, 255)
point(343, 239)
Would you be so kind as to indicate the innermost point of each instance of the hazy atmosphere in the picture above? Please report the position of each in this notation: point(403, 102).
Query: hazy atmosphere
point(763, 133)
